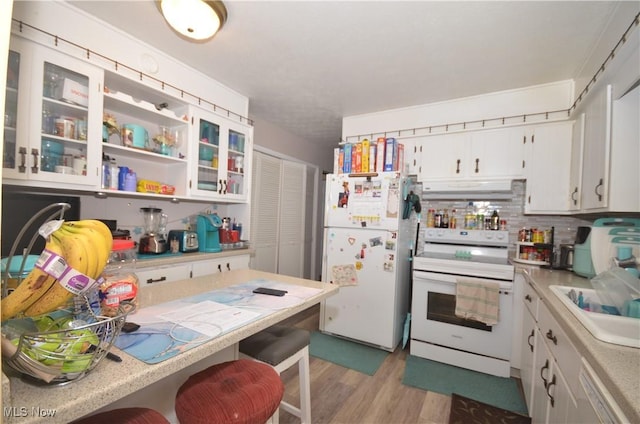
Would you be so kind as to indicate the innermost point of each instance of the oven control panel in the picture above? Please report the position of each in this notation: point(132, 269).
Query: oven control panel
point(468, 237)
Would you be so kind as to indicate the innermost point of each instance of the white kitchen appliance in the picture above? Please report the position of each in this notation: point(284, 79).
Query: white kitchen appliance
point(436, 332)
point(367, 250)
point(607, 234)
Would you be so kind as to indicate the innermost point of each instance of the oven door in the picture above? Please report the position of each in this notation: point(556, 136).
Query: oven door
point(433, 318)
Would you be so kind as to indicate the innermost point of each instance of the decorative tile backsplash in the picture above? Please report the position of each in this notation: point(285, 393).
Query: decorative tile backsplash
point(513, 211)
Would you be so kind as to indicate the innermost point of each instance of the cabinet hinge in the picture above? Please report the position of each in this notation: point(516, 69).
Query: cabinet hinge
point(523, 163)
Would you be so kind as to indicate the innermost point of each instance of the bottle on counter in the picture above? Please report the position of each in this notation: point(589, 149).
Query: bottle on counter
point(437, 222)
point(453, 220)
point(469, 217)
point(431, 218)
point(495, 220)
point(445, 219)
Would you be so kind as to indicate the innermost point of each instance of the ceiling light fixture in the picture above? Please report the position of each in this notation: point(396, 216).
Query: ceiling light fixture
point(194, 19)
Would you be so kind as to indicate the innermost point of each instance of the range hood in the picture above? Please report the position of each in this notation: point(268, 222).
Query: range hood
point(467, 190)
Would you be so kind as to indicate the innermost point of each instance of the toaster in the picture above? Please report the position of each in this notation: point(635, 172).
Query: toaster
point(186, 241)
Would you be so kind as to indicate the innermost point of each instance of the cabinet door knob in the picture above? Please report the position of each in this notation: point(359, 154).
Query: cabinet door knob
point(36, 154)
point(477, 165)
point(574, 196)
point(533, 332)
point(546, 366)
point(228, 266)
point(458, 166)
point(157, 280)
point(528, 298)
point(600, 184)
point(220, 267)
point(22, 168)
point(219, 186)
point(551, 337)
point(551, 383)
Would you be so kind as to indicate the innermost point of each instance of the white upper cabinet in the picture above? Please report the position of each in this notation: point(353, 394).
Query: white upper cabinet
point(575, 175)
point(473, 155)
point(610, 172)
point(547, 170)
point(442, 156)
point(55, 142)
point(221, 151)
point(597, 147)
point(497, 153)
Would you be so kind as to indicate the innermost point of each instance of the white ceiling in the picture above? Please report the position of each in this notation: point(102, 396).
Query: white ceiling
point(306, 64)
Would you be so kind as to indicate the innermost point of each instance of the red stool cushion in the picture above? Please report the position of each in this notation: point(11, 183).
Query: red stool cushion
point(126, 416)
point(242, 391)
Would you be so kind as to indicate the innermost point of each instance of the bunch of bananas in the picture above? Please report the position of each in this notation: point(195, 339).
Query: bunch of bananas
point(85, 245)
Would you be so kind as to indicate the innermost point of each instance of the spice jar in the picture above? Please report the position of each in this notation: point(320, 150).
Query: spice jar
point(120, 286)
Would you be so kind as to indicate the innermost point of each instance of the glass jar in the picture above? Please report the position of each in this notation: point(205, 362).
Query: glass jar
point(120, 286)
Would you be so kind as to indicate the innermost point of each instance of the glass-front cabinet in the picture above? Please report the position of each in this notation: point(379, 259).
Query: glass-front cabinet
point(55, 118)
point(72, 125)
point(222, 147)
point(10, 150)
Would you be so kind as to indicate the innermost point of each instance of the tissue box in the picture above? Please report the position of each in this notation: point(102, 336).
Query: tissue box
point(74, 92)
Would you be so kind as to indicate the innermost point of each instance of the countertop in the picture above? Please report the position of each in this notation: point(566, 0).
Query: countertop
point(617, 366)
point(111, 381)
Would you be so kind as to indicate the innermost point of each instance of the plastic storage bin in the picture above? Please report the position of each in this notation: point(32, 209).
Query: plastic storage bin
point(616, 288)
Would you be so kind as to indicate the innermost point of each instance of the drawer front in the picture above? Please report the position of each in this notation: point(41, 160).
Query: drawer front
point(215, 266)
point(564, 352)
point(164, 274)
point(531, 299)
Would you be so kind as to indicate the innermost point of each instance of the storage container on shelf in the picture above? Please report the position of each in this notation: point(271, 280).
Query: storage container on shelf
point(120, 286)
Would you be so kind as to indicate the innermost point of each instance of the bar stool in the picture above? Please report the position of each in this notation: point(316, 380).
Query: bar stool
point(126, 416)
point(282, 347)
point(238, 392)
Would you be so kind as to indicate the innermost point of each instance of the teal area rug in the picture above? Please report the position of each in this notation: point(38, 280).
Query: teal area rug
point(356, 356)
point(446, 379)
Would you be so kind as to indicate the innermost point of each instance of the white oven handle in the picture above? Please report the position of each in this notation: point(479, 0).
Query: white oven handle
point(449, 279)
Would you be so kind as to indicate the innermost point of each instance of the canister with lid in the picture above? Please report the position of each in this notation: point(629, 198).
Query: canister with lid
point(120, 286)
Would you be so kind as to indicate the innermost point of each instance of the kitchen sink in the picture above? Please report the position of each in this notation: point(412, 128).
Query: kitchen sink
point(620, 330)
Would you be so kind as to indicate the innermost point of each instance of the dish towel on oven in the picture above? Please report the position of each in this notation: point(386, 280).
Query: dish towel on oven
point(478, 300)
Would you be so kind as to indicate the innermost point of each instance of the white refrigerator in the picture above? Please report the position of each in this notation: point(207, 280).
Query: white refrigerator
point(367, 252)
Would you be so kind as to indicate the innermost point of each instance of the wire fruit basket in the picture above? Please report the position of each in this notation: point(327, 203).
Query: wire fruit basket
point(64, 345)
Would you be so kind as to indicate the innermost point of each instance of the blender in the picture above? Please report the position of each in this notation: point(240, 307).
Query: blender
point(155, 224)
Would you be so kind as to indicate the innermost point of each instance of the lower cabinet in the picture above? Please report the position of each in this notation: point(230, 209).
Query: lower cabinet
point(186, 270)
point(550, 364)
point(553, 401)
point(163, 274)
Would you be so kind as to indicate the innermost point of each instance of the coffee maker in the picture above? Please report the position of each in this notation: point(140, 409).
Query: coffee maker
point(155, 224)
point(208, 227)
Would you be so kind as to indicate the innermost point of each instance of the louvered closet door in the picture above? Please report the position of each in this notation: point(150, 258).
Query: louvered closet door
point(291, 246)
point(309, 215)
point(265, 210)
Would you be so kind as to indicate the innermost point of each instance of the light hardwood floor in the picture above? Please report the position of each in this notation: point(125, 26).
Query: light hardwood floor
point(341, 395)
